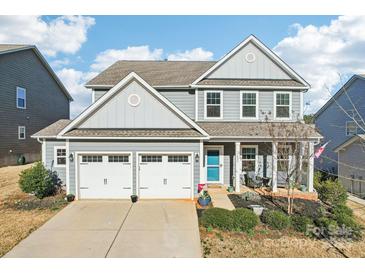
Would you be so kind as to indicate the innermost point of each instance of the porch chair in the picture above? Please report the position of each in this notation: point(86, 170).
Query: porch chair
point(252, 180)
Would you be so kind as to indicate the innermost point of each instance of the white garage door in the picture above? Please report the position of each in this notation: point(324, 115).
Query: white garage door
point(105, 176)
point(165, 176)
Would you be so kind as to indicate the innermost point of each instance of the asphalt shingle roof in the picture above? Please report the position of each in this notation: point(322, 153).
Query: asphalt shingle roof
point(251, 82)
point(53, 129)
point(8, 47)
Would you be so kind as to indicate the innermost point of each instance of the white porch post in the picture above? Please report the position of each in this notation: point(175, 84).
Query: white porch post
point(310, 166)
point(238, 166)
point(274, 167)
point(201, 163)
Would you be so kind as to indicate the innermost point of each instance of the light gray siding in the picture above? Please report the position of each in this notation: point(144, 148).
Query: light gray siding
point(237, 66)
point(45, 104)
point(332, 123)
point(113, 146)
point(50, 160)
point(98, 94)
point(182, 99)
point(118, 113)
point(351, 169)
point(231, 105)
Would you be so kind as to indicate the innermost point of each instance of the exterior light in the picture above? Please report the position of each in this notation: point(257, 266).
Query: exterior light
point(71, 157)
point(196, 157)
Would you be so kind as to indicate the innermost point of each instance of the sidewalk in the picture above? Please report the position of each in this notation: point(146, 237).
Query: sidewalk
point(357, 205)
point(220, 198)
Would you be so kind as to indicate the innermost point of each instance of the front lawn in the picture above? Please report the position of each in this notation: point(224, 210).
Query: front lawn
point(21, 213)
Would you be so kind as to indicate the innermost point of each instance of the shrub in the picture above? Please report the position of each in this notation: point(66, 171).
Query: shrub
point(217, 218)
point(275, 219)
point(39, 181)
point(300, 223)
point(244, 219)
point(328, 226)
point(344, 218)
point(332, 192)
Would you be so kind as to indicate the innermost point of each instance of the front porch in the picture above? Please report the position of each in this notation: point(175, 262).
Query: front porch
point(281, 165)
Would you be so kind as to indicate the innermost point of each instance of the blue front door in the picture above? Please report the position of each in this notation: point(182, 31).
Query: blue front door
point(213, 165)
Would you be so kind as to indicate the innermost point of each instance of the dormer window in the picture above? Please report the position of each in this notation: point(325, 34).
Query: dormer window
point(213, 104)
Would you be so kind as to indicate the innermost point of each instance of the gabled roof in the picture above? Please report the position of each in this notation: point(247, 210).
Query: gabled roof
point(11, 48)
point(265, 49)
point(52, 130)
point(131, 76)
point(156, 73)
point(339, 93)
point(349, 141)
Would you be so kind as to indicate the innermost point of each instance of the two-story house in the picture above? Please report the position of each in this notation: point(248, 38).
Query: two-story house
point(341, 122)
point(159, 128)
point(31, 98)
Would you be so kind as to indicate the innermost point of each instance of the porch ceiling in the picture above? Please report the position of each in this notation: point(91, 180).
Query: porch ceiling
point(260, 130)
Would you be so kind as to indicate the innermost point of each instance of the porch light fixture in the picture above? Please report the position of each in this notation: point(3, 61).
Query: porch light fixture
point(196, 157)
point(71, 157)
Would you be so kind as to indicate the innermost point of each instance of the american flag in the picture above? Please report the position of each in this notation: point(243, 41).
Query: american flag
point(319, 151)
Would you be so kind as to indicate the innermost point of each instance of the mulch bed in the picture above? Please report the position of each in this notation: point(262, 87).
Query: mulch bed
point(301, 206)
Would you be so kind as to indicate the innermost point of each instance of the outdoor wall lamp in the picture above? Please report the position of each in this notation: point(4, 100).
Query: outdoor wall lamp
point(71, 157)
point(196, 157)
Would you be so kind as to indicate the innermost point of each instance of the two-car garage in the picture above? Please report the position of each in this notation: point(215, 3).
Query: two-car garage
point(149, 175)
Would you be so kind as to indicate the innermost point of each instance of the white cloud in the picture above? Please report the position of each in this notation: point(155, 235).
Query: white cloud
point(197, 54)
point(74, 82)
point(321, 54)
point(59, 63)
point(109, 56)
point(64, 34)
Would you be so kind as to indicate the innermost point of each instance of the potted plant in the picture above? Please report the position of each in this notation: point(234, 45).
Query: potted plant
point(134, 198)
point(230, 189)
point(70, 197)
point(204, 198)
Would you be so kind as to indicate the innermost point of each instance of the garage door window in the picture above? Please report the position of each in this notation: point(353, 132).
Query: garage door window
point(92, 158)
point(151, 158)
point(118, 159)
point(178, 159)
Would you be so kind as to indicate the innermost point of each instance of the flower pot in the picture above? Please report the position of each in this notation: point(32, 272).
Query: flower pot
point(257, 209)
point(134, 198)
point(70, 197)
point(230, 189)
point(204, 202)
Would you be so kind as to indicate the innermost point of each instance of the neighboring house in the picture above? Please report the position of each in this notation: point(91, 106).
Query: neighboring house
point(351, 169)
point(31, 98)
point(159, 128)
point(339, 120)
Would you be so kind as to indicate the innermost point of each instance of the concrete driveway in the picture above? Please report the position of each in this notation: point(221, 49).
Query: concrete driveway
point(116, 229)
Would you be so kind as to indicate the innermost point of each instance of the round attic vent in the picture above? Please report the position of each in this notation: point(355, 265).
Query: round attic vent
point(250, 57)
point(134, 100)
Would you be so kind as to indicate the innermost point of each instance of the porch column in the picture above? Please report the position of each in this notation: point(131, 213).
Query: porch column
point(310, 166)
point(274, 167)
point(238, 166)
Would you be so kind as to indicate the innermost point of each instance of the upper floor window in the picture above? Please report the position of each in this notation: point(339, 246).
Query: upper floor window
point(213, 104)
point(351, 128)
point(21, 132)
point(249, 104)
point(282, 105)
point(21, 97)
point(60, 156)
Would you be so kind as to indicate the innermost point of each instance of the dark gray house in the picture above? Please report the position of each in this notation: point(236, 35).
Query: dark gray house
point(31, 98)
point(159, 128)
point(340, 119)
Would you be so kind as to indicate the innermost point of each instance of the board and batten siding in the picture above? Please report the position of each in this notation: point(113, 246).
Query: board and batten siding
point(134, 147)
point(237, 66)
point(149, 113)
point(231, 106)
point(50, 160)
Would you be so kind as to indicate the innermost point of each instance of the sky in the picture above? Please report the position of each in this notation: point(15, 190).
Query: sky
point(325, 50)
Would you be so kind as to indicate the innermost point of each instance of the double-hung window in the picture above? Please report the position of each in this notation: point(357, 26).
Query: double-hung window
point(282, 105)
point(249, 158)
point(59, 156)
point(21, 132)
point(249, 105)
point(351, 128)
point(21, 97)
point(213, 104)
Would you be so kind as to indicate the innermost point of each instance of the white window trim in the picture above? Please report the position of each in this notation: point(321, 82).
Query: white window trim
point(25, 97)
point(256, 147)
point(290, 105)
point(205, 104)
point(257, 104)
point(347, 122)
point(55, 164)
point(25, 136)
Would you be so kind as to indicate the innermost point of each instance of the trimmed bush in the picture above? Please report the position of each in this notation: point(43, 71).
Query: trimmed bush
point(340, 210)
point(300, 223)
point(244, 219)
point(39, 181)
point(332, 192)
point(218, 218)
point(275, 219)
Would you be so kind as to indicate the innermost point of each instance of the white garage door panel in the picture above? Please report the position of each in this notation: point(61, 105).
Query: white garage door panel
point(107, 178)
point(165, 176)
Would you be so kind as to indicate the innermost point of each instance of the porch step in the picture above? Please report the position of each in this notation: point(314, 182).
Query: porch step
point(219, 186)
